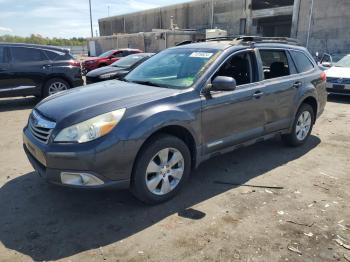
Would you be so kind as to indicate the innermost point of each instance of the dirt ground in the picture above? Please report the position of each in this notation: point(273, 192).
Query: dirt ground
point(227, 212)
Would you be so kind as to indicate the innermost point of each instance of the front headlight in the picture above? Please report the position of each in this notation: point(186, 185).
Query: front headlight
point(106, 76)
point(92, 128)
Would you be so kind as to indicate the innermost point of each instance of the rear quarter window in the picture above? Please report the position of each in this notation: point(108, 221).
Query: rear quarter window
point(58, 56)
point(302, 62)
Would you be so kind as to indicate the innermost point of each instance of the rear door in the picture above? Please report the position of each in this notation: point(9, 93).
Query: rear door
point(29, 68)
point(233, 117)
point(281, 86)
point(5, 74)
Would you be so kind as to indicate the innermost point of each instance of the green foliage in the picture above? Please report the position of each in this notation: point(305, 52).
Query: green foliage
point(38, 39)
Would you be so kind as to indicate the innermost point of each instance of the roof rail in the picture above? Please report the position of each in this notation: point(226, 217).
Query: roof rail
point(261, 39)
point(241, 40)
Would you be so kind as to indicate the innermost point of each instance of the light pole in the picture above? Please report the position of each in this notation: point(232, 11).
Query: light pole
point(309, 28)
point(92, 32)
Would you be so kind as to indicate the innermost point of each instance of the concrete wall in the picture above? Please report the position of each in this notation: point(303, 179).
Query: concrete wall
point(330, 25)
point(148, 42)
point(192, 15)
point(330, 30)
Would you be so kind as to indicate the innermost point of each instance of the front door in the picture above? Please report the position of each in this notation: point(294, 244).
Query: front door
point(233, 117)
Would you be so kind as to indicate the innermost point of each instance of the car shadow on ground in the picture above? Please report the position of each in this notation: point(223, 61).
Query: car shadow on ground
point(339, 99)
point(50, 223)
point(21, 103)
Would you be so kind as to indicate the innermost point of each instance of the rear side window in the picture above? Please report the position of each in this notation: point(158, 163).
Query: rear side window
point(302, 62)
point(275, 63)
point(22, 54)
point(58, 56)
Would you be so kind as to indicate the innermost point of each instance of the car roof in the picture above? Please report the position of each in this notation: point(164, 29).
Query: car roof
point(47, 47)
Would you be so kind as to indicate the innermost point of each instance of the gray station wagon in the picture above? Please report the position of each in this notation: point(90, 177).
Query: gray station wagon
point(181, 107)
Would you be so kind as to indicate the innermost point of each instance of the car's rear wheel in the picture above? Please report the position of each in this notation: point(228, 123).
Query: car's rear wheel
point(54, 86)
point(161, 169)
point(302, 126)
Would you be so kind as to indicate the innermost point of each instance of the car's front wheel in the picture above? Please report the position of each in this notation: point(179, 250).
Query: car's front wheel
point(302, 126)
point(161, 169)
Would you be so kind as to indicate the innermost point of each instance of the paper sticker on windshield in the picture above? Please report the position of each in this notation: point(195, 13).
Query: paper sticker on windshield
point(201, 54)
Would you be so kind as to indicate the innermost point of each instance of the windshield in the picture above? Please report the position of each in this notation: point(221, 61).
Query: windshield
point(344, 62)
point(128, 61)
point(106, 54)
point(173, 68)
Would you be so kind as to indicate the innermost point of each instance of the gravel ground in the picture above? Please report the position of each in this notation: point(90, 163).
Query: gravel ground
point(266, 202)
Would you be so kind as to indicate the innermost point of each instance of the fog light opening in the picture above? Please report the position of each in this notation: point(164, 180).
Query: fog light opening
point(80, 179)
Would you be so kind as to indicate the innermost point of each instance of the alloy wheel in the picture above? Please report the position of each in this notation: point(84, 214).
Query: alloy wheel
point(57, 87)
point(164, 171)
point(303, 125)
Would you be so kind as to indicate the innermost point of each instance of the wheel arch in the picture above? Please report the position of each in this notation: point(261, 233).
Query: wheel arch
point(310, 100)
point(178, 131)
point(50, 77)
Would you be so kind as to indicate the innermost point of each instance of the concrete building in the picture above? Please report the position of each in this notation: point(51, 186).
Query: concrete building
point(322, 25)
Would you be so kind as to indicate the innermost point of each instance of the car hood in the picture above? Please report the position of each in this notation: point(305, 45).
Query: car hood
point(104, 70)
point(334, 71)
point(84, 102)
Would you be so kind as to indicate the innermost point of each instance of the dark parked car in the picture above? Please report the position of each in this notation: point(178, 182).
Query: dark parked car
point(27, 69)
point(181, 107)
point(118, 69)
point(107, 58)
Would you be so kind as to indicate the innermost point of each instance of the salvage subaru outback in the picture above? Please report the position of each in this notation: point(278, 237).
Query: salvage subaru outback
point(182, 106)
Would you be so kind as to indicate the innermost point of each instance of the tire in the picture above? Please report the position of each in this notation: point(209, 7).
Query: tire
point(153, 187)
point(301, 130)
point(60, 84)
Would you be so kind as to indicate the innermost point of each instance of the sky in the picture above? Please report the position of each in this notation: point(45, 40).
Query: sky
point(64, 18)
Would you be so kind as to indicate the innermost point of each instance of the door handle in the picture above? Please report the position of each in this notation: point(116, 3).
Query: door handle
point(46, 66)
point(258, 94)
point(297, 84)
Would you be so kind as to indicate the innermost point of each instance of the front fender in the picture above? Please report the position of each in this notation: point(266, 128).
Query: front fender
point(153, 119)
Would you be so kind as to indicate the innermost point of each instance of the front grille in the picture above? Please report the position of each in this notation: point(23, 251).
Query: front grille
point(338, 80)
point(40, 127)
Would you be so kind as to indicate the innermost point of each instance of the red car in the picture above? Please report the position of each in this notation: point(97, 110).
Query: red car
point(107, 58)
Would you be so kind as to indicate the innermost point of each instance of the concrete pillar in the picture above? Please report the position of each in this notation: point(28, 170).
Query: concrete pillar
point(249, 18)
point(295, 19)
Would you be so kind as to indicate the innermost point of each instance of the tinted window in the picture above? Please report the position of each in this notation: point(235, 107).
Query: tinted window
point(22, 54)
point(275, 63)
point(239, 67)
point(302, 62)
point(58, 56)
point(51, 55)
point(2, 54)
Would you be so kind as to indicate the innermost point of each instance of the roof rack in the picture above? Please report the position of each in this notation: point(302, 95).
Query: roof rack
point(241, 40)
point(261, 39)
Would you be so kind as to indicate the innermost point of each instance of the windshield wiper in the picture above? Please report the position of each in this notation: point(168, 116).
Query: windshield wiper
point(147, 83)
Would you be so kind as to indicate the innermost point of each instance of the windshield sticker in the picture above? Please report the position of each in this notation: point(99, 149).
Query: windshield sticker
point(201, 54)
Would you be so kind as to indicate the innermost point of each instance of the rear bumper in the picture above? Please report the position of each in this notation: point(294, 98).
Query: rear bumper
point(78, 82)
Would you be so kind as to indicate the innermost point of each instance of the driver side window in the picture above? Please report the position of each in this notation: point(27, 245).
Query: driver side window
point(239, 67)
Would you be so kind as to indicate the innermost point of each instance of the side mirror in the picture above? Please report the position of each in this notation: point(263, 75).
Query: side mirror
point(326, 64)
point(223, 83)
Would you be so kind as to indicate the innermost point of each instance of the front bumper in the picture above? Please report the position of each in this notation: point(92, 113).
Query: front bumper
point(341, 89)
point(108, 163)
